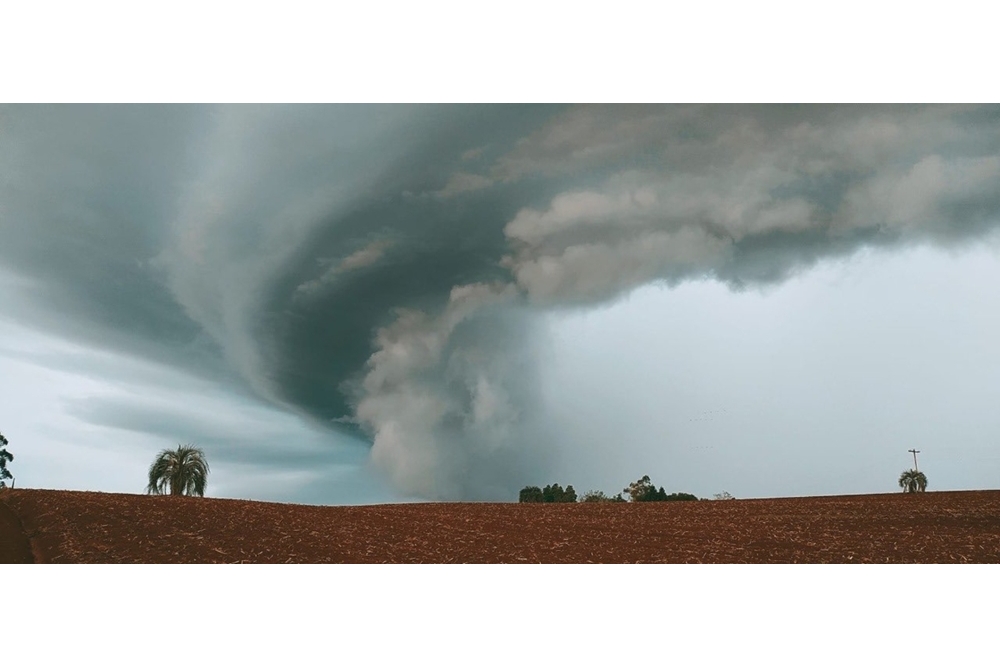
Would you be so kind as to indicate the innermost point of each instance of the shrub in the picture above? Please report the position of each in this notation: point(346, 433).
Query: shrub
point(677, 496)
point(600, 497)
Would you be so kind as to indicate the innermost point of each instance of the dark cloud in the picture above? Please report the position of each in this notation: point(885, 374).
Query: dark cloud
point(244, 435)
point(375, 269)
point(85, 200)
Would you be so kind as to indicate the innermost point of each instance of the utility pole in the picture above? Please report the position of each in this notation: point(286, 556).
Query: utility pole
point(914, 452)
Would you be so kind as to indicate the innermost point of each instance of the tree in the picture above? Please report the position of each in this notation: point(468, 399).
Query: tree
point(912, 481)
point(184, 471)
point(5, 457)
point(553, 493)
point(725, 495)
point(643, 491)
point(530, 494)
point(638, 491)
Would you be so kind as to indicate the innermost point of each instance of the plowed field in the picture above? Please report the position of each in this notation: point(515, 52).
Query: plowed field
point(84, 527)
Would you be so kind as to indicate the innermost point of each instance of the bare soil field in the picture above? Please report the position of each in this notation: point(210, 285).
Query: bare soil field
point(83, 527)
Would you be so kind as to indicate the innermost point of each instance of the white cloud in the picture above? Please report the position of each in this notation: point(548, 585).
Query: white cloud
point(461, 183)
point(444, 409)
point(914, 198)
point(473, 153)
point(597, 272)
point(367, 256)
point(725, 178)
point(584, 136)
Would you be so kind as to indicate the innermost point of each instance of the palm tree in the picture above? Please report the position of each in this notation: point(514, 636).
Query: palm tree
point(912, 481)
point(184, 471)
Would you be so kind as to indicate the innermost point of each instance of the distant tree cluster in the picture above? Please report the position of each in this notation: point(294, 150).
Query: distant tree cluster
point(641, 491)
point(552, 493)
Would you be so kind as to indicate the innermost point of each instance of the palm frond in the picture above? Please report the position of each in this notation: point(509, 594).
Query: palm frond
point(912, 481)
point(159, 473)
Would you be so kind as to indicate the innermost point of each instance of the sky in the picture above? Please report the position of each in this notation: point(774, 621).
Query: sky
point(359, 304)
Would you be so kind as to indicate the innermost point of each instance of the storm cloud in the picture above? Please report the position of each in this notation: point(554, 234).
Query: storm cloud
point(384, 272)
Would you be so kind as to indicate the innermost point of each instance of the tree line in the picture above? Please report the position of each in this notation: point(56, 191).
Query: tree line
point(640, 491)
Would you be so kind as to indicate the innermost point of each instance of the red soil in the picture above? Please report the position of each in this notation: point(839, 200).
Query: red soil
point(14, 544)
point(84, 527)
